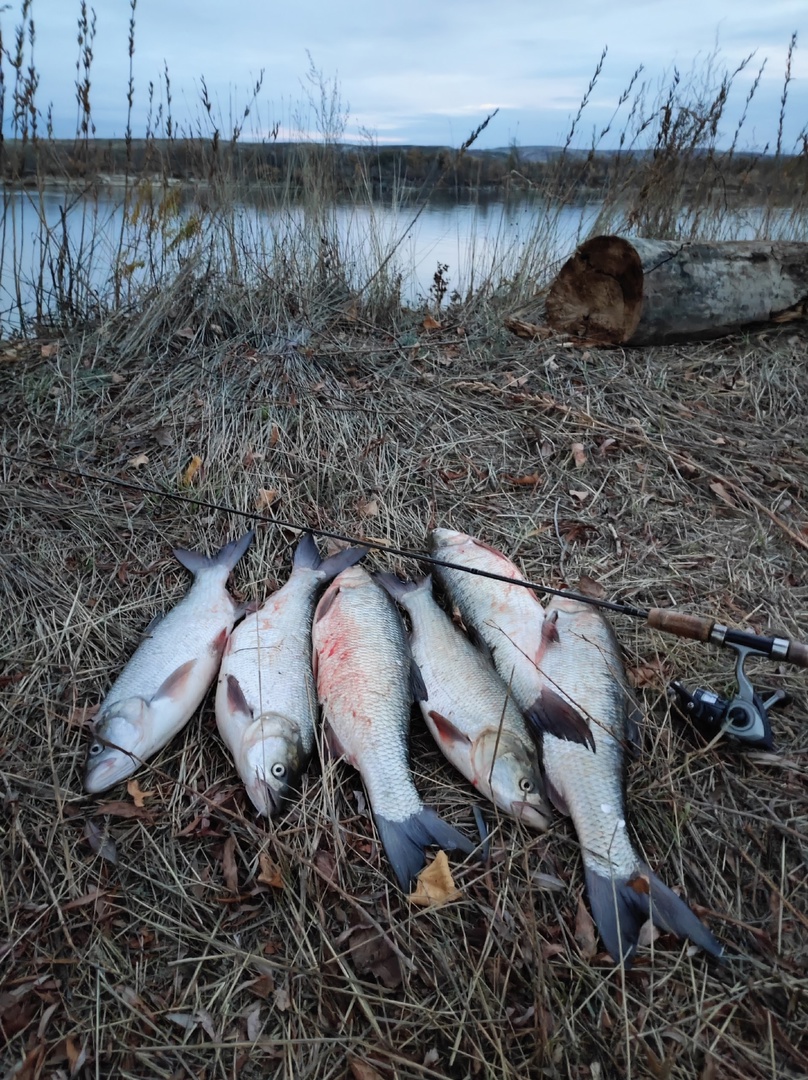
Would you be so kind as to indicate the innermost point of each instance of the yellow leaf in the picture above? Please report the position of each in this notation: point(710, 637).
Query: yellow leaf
point(435, 883)
point(49, 350)
point(191, 471)
point(133, 787)
point(270, 874)
point(266, 497)
point(138, 460)
point(430, 324)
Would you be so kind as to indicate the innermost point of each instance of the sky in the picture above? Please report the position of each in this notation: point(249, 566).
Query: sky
point(421, 71)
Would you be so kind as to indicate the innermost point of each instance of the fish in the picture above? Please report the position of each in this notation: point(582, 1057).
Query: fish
point(581, 659)
point(506, 622)
point(366, 681)
point(469, 710)
point(572, 652)
point(266, 702)
point(168, 675)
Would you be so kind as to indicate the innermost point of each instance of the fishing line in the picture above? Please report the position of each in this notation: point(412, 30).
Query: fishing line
point(668, 620)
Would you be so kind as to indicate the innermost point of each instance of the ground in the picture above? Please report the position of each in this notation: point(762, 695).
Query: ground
point(166, 931)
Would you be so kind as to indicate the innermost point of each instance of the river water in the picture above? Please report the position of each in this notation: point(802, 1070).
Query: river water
point(79, 239)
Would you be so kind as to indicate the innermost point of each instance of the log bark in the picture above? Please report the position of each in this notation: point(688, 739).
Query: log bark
point(615, 291)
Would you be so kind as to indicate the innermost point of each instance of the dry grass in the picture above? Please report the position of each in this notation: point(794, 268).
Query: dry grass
point(177, 961)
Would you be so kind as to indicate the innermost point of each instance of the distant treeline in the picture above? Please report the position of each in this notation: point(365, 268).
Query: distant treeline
point(384, 170)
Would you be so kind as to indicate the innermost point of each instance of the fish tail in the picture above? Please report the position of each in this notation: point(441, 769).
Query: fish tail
point(405, 842)
point(228, 556)
point(399, 589)
point(307, 557)
point(621, 905)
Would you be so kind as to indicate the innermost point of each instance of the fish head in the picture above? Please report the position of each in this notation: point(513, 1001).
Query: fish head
point(117, 737)
point(272, 761)
point(508, 769)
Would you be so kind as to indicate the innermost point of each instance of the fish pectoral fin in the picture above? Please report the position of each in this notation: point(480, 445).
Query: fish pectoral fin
point(174, 686)
point(325, 604)
point(556, 798)
point(236, 700)
point(550, 714)
point(479, 643)
point(217, 646)
point(417, 684)
point(447, 731)
point(158, 618)
point(333, 746)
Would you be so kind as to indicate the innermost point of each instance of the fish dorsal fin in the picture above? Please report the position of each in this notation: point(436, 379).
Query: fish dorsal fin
point(447, 732)
point(236, 700)
point(550, 714)
point(174, 686)
point(417, 684)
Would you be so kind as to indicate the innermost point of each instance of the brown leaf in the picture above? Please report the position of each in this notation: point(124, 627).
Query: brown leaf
point(430, 324)
point(529, 480)
point(641, 884)
point(589, 587)
point(435, 883)
point(360, 1070)
point(133, 787)
point(369, 509)
point(276, 434)
point(251, 457)
point(270, 874)
point(162, 436)
point(585, 931)
point(50, 349)
point(101, 845)
point(76, 1057)
point(578, 455)
point(579, 494)
point(79, 716)
point(229, 868)
point(191, 471)
point(186, 333)
point(121, 809)
point(138, 460)
point(718, 489)
point(372, 954)
point(606, 446)
point(262, 986)
point(650, 673)
point(266, 497)
point(117, 378)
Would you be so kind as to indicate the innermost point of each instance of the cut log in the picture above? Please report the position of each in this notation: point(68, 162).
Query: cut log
point(615, 291)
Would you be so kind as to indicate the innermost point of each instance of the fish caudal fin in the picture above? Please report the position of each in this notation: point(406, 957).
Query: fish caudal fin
point(621, 905)
point(405, 842)
point(307, 557)
point(228, 556)
point(399, 589)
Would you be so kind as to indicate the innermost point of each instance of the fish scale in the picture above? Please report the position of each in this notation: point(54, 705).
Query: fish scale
point(365, 677)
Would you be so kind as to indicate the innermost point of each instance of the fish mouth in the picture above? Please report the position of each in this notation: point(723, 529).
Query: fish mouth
point(266, 799)
point(105, 774)
point(536, 817)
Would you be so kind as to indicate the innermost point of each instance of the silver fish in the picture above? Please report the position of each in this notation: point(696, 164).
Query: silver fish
point(506, 621)
point(366, 680)
point(470, 713)
point(266, 702)
point(574, 655)
point(166, 679)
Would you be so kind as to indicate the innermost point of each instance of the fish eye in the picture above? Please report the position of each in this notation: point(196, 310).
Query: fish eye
point(95, 749)
point(526, 784)
point(278, 770)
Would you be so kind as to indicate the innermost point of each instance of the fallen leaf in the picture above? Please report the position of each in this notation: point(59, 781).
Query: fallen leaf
point(253, 1019)
point(186, 333)
point(266, 497)
point(372, 954)
point(580, 495)
point(270, 874)
point(648, 933)
point(183, 1020)
point(229, 868)
point(529, 480)
point(589, 587)
point(578, 455)
point(718, 489)
point(283, 1001)
point(369, 509)
point(162, 436)
point(435, 883)
point(430, 324)
point(262, 986)
point(121, 809)
point(191, 470)
point(138, 460)
point(273, 438)
point(76, 1057)
point(50, 349)
point(606, 446)
point(101, 845)
point(116, 378)
point(649, 673)
point(585, 931)
point(360, 1070)
point(133, 787)
point(79, 716)
point(641, 884)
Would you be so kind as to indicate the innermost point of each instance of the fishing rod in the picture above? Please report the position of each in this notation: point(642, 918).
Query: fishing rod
point(744, 716)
